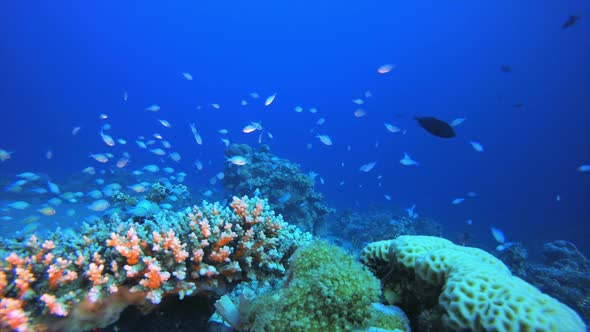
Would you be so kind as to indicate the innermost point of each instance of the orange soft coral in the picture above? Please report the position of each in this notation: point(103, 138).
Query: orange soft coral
point(205, 228)
point(154, 277)
point(240, 207)
point(49, 245)
point(24, 278)
point(14, 259)
point(220, 255)
point(94, 273)
point(3, 282)
point(173, 243)
point(12, 315)
point(128, 248)
point(225, 239)
point(53, 305)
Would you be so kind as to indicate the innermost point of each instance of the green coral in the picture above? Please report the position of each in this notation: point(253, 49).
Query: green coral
point(388, 318)
point(327, 290)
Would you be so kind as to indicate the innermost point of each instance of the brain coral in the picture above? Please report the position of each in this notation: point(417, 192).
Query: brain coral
point(477, 291)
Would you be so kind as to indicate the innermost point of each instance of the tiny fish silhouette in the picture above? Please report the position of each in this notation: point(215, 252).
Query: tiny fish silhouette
point(436, 127)
point(506, 69)
point(570, 21)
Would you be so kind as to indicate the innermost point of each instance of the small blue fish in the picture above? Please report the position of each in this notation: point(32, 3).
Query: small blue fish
point(270, 99)
point(325, 139)
point(99, 205)
point(153, 108)
point(145, 208)
point(584, 168)
point(407, 160)
point(505, 246)
point(391, 128)
point(368, 167)
point(20, 205)
point(394, 222)
point(457, 122)
point(286, 196)
point(457, 201)
point(39, 190)
point(29, 176)
point(15, 186)
point(53, 187)
point(476, 146)
point(498, 235)
point(411, 213)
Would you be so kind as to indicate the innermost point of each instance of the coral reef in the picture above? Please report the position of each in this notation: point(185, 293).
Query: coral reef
point(515, 257)
point(326, 290)
point(157, 193)
point(80, 281)
point(149, 204)
point(173, 314)
point(474, 289)
point(161, 191)
point(377, 224)
point(564, 255)
point(290, 192)
point(563, 273)
point(124, 199)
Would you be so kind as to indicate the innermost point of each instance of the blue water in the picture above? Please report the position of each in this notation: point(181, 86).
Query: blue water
point(63, 64)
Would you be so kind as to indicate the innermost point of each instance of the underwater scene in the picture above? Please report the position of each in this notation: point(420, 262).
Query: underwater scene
point(295, 166)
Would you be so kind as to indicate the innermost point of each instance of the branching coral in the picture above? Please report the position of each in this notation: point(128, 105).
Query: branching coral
point(82, 281)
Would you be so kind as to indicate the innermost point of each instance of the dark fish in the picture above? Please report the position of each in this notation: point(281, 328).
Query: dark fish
point(436, 127)
point(570, 21)
point(518, 105)
point(506, 69)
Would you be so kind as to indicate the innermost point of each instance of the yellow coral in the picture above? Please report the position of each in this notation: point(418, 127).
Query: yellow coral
point(328, 290)
point(478, 291)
